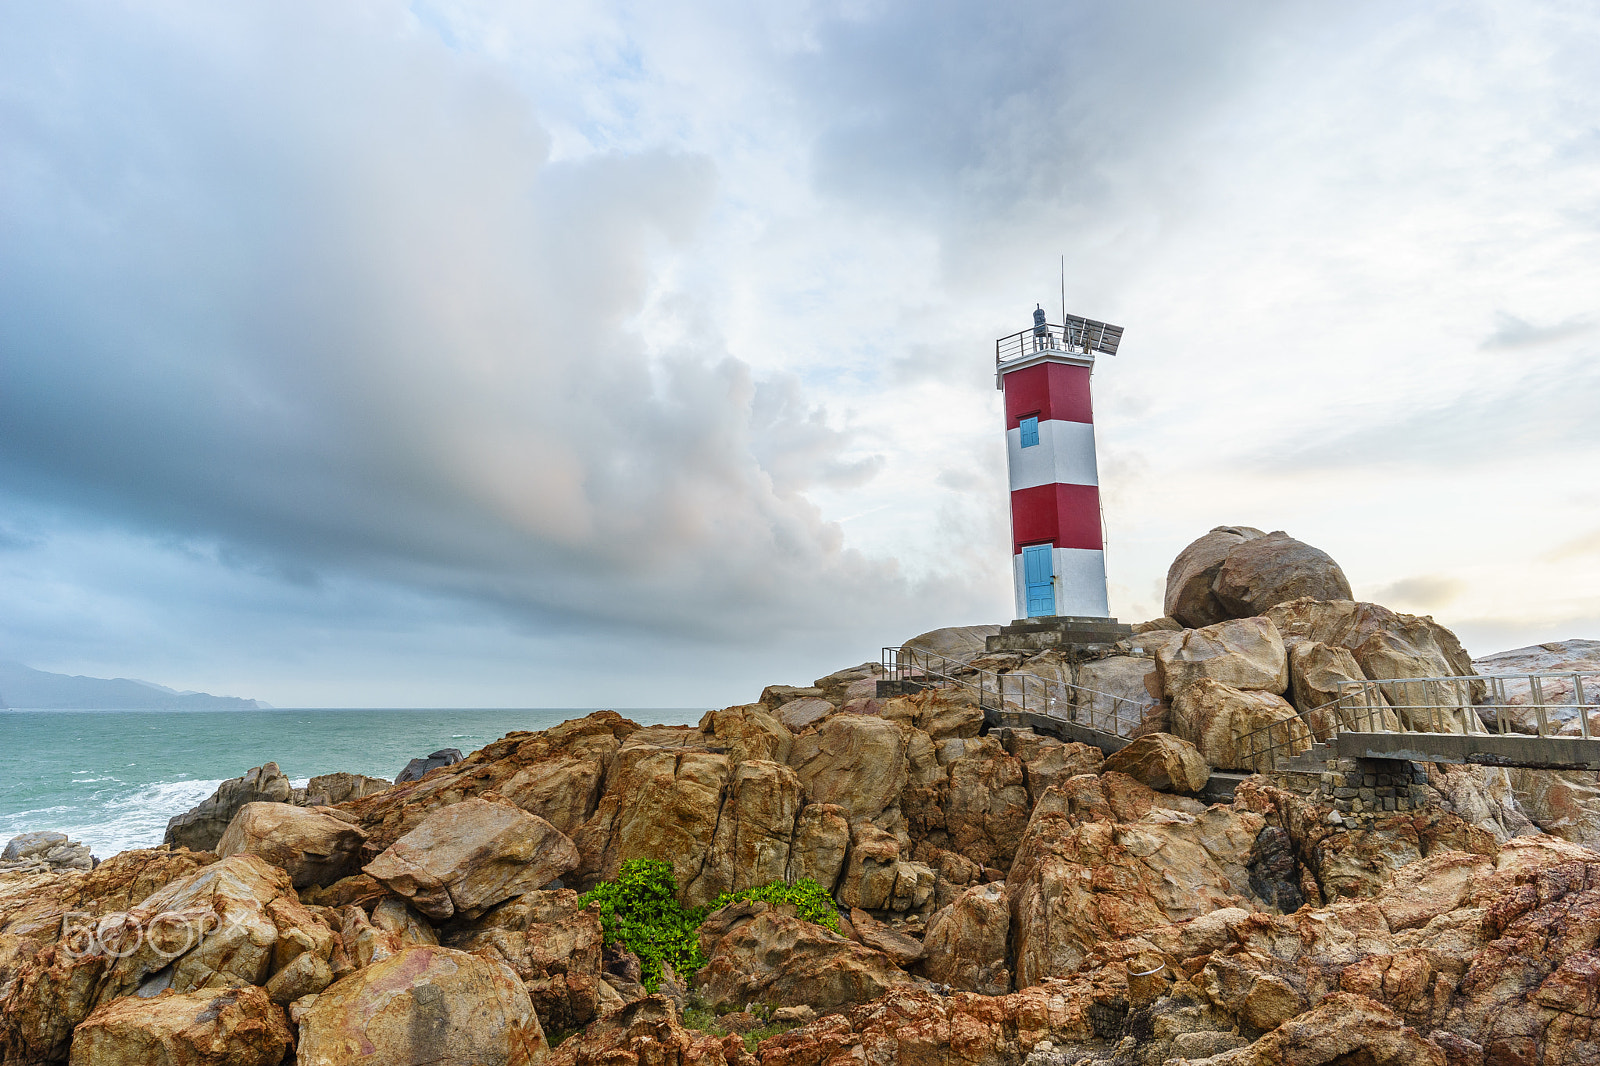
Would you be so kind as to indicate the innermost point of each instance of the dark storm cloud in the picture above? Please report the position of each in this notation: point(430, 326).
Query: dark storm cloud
point(302, 286)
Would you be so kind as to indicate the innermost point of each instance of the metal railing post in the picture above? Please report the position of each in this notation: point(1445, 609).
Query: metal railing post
point(1583, 710)
point(1537, 690)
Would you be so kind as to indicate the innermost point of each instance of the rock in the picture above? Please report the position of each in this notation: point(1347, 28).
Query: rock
point(471, 855)
point(1412, 649)
point(1274, 875)
point(200, 828)
point(1164, 762)
point(959, 643)
point(663, 797)
point(1112, 863)
point(1189, 598)
point(648, 1031)
point(941, 713)
point(416, 769)
point(1263, 572)
point(748, 732)
point(754, 830)
point(966, 943)
point(758, 955)
point(876, 876)
point(209, 1027)
point(901, 949)
point(854, 682)
point(1245, 653)
point(555, 774)
point(821, 841)
point(1315, 673)
point(796, 715)
point(329, 790)
point(801, 1015)
point(854, 761)
point(1057, 764)
point(775, 696)
point(1117, 689)
point(987, 804)
point(305, 976)
point(1344, 1028)
point(45, 851)
point(314, 848)
point(1214, 718)
point(1557, 693)
point(554, 946)
point(423, 1006)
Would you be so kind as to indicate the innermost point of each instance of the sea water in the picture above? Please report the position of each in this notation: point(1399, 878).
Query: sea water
point(112, 779)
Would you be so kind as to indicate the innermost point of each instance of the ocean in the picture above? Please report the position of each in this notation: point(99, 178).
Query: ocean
point(112, 779)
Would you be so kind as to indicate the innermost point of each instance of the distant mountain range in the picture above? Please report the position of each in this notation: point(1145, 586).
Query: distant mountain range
point(22, 687)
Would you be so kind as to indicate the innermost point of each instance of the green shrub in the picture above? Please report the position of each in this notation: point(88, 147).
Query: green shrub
point(811, 901)
point(640, 911)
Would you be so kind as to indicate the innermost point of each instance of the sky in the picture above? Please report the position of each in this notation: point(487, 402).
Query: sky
point(640, 354)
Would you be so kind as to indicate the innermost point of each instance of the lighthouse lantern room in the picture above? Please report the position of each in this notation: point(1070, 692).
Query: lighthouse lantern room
point(1058, 551)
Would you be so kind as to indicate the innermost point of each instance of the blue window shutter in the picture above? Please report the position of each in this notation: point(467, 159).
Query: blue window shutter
point(1030, 432)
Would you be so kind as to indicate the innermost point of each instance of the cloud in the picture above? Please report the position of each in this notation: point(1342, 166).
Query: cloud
point(1426, 591)
point(359, 320)
point(1513, 332)
point(1587, 544)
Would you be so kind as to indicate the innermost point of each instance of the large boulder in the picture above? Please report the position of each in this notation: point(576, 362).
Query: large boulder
point(663, 797)
point(803, 712)
point(986, 804)
point(208, 1027)
point(313, 847)
point(748, 732)
point(1162, 761)
point(553, 944)
point(424, 1006)
point(821, 842)
point(1402, 657)
point(330, 790)
point(1244, 653)
point(754, 831)
point(853, 760)
point(471, 855)
point(941, 713)
point(1119, 691)
point(199, 829)
point(1189, 598)
point(1051, 765)
point(1263, 572)
point(759, 954)
point(966, 943)
point(45, 850)
point(878, 877)
point(961, 643)
point(1215, 717)
point(1558, 694)
point(1106, 858)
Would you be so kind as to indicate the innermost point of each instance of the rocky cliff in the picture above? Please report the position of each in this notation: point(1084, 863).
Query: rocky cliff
point(1003, 897)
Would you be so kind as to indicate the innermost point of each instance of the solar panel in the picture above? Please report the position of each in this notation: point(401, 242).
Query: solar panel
point(1085, 334)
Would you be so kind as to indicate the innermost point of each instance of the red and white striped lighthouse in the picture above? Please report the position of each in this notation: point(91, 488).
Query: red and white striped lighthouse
point(1058, 554)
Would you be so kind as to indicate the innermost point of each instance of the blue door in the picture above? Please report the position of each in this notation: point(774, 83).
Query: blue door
point(1037, 572)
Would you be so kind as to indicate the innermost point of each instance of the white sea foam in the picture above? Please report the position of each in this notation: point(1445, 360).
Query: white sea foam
point(118, 822)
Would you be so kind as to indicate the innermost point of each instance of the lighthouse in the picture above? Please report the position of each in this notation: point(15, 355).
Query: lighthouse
point(1058, 558)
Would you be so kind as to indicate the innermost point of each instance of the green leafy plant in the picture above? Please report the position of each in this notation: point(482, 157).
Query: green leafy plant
point(810, 900)
point(640, 910)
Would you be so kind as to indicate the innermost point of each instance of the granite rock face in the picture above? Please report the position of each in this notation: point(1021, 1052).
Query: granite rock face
point(313, 847)
point(419, 1007)
point(1215, 718)
point(45, 851)
point(1162, 761)
point(468, 856)
point(1263, 572)
point(1189, 598)
point(1246, 653)
point(209, 1027)
point(201, 828)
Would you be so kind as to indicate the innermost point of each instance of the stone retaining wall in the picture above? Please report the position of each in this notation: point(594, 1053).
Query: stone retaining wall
point(1360, 786)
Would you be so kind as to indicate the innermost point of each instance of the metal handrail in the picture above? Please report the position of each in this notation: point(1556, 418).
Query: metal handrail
point(1083, 336)
point(994, 690)
point(1389, 705)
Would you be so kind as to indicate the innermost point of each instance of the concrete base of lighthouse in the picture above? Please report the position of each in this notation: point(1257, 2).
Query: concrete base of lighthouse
point(1083, 636)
